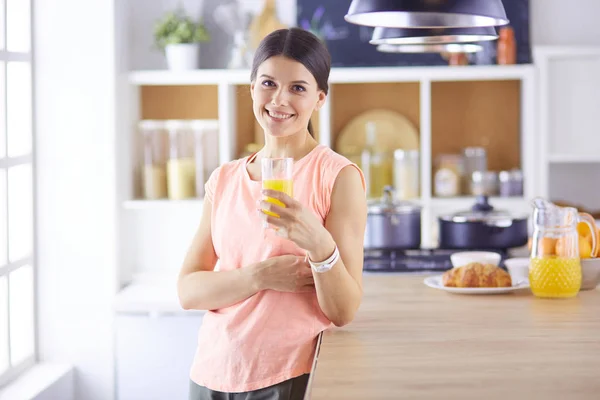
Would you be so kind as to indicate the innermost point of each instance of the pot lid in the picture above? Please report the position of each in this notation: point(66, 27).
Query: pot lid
point(387, 205)
point(482, 211)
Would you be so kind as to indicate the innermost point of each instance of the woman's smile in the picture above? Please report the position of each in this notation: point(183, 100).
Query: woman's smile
point(278, 116)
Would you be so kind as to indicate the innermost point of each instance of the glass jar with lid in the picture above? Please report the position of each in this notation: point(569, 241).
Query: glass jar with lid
point(181, 166)
point(376, 163)
point(484, 183)
point(448, 176)
point(511, 183)
point(475, 160)
point(380, 172)
point(406, 174)
point(193, 155)
point(154, 158)
point(206, 139)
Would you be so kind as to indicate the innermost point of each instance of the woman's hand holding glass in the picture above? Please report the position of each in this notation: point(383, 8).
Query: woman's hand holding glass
point(280, 211)
point(294, 222)
point(290, 220)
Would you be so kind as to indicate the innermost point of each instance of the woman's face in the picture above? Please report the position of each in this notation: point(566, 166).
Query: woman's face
point(284, 95)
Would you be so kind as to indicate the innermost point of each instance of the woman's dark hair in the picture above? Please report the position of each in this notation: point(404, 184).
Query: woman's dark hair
point(300, 45)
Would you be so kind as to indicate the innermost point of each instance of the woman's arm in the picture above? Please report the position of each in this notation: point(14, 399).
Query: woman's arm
point(199, 286)
point(339, 290)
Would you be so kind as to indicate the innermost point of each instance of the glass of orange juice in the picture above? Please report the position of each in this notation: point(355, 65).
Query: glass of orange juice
point(277, 175)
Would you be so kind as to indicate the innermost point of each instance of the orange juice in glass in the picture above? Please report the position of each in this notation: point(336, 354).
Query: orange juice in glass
point(277, 175)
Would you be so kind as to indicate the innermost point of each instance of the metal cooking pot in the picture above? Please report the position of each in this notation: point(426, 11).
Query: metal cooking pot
point(392, 224)
point(482, 227)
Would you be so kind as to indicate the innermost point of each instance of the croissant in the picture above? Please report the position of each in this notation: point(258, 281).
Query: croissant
point(475, 275)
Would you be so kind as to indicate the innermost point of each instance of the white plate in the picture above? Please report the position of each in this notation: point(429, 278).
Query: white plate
point(436, 283)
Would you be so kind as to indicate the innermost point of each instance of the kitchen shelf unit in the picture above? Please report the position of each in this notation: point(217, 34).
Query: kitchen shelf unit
point(569, 117)
point(425, 97)
point(162, 204)
point(573, 158)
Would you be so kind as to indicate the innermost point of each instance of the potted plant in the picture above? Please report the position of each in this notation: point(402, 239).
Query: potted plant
point(180, 37)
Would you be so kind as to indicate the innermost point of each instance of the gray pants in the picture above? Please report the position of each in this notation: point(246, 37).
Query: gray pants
point(292, 389)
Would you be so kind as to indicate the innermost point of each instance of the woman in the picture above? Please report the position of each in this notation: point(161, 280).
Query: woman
point(267, 302)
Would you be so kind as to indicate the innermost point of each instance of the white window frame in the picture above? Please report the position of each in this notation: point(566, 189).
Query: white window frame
point(6, 56)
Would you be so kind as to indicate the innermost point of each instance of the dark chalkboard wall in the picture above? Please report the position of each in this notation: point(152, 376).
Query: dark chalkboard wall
point(349, 44)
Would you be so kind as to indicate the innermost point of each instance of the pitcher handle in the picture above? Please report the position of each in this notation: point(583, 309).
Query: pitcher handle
point(592, 224)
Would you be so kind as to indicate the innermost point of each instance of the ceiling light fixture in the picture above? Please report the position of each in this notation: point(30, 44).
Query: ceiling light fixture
point(427, 13)
point(432, 36)
point(430, 48)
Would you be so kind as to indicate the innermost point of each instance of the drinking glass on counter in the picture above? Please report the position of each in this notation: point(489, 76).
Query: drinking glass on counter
point(277, 175)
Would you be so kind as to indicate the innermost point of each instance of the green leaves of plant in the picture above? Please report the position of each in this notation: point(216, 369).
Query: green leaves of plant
point(177, 27)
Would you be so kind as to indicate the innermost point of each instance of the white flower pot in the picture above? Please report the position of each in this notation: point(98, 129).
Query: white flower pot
point(183, 56)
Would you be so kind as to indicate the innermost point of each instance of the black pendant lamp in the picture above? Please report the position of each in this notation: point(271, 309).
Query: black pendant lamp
point(400, 36)
point(430, 48)
point(427, 13)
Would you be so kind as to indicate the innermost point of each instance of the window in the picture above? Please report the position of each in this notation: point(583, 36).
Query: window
point(17, 272)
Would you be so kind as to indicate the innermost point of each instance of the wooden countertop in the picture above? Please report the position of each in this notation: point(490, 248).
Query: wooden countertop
point(409, 341)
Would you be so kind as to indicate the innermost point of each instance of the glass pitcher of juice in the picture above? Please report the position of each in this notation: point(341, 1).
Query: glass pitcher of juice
point(555, 267)
point(277, 175)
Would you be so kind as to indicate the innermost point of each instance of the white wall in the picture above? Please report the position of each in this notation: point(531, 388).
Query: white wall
point(74, 111)
point(553, 22)
point(214, 53)
point(569, 23)
point(565, 23)
point(62, 389)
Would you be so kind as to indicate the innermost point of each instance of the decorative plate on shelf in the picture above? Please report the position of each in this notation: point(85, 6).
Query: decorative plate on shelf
point(436, 283)
point(392, 131)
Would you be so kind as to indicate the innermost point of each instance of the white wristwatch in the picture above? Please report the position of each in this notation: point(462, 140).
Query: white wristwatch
point(326, 265)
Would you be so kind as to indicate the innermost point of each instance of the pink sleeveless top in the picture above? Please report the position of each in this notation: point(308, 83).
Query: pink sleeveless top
point(271, 336)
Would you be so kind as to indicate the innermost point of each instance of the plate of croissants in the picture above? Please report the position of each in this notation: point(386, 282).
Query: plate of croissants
point(475, 278)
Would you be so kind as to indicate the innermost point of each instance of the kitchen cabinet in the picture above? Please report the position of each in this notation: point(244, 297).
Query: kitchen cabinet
point(452, 108)
point(569, 117)
point(155, 339)
point(153, 355)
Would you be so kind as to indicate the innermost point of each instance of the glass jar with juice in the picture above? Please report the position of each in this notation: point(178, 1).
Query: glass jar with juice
point(555, 267)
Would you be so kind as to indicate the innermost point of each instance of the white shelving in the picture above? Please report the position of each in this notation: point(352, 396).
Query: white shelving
point(574, 158)
point(461, 202)
point(195, 77)
point(228, 82)
point(338, 75)
point(161, 204)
